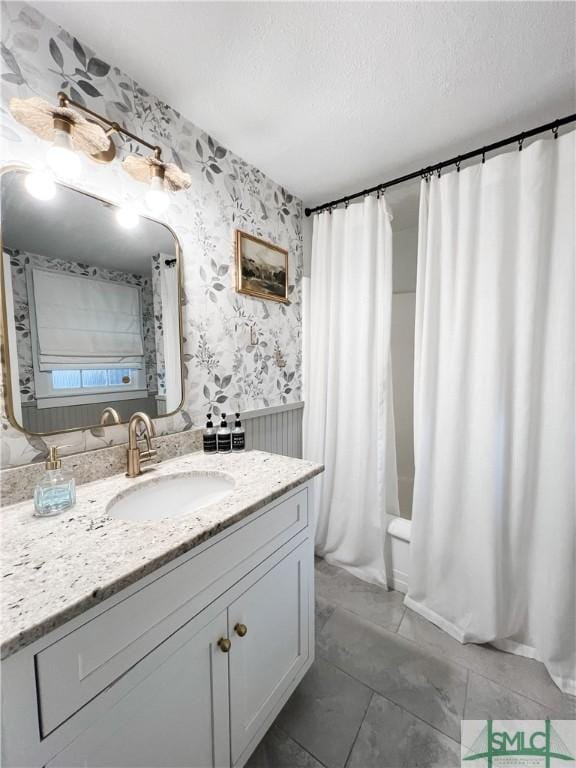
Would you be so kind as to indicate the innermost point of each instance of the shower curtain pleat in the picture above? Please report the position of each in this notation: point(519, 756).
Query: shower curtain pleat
point(493, 551)
point(348, 422)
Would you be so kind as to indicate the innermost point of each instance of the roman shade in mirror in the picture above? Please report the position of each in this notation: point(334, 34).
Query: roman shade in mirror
point(92, 323)
point(86, 323)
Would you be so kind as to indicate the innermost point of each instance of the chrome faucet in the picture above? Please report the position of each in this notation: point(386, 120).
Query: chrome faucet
point(109, 414)
point(135, 457)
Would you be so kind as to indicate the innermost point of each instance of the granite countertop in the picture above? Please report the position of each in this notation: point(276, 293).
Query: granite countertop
point(55, 568)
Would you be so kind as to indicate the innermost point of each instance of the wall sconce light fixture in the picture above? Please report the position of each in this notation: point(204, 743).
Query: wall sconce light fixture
point(73, 135)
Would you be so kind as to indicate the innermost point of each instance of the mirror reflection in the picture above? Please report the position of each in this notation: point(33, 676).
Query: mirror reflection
point(91, 293)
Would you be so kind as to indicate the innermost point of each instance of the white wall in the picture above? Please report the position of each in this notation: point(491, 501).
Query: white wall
point(405, 246)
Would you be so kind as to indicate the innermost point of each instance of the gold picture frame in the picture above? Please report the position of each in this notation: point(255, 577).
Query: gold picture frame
point(261, 268)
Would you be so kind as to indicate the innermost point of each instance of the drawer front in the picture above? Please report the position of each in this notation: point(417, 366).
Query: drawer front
point(76, 668)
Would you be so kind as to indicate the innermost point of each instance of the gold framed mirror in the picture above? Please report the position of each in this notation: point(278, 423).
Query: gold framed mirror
point(92, 309)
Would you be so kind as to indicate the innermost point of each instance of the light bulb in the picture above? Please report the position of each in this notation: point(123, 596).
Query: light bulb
point(40, 185)
point(157, 198)
point(127, 217)
point(63, 160)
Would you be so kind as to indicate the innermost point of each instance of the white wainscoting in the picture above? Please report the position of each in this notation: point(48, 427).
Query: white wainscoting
point(79, 416)
point(276, 430)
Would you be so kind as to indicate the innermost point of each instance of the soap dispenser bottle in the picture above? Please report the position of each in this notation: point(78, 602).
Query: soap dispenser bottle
point(238, 436)
point(209, 436)
point(224, 438)
point(56, 492)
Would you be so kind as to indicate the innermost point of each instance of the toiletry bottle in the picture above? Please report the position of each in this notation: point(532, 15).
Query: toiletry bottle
point(224, 441)
point(238, 436)
point(56, 491)
point(209, 436)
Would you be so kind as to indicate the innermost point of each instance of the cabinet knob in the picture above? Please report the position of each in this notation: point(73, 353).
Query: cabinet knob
point(241, 629)
point(224, 644)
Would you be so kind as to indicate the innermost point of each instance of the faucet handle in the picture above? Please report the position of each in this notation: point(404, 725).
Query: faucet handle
point(148, 455)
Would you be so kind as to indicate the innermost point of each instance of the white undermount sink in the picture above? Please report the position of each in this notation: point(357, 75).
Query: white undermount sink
point(171, 496)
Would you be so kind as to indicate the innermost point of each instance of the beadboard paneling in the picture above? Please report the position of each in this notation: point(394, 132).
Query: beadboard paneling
point(78, 416)
point(276, 430)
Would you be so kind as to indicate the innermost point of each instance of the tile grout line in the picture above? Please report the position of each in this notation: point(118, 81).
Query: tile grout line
point(433, 648)
point(400, 622)
point(391, 628)
point(310, 754)
point(412, 642)
point(436, 652)
point(348, 674)
point(515, 692)
point(347, 761)
point(465, 700)
point(462, 666)
point(355, 680)
point(383, 696)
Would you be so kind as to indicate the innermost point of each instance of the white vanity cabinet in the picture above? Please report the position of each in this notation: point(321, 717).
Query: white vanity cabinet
point(275, 612)
point(185, 669)
point(176, 716)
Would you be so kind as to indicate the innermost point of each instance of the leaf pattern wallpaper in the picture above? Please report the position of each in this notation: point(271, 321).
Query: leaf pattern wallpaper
point(240, 353)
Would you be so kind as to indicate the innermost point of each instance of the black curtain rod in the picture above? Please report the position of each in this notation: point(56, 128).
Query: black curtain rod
point(424, 172)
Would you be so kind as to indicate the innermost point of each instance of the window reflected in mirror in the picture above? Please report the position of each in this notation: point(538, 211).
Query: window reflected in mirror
point(92, 307)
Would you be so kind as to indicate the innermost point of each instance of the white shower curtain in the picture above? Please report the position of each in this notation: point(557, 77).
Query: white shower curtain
point(348, 424)
point(493, 552)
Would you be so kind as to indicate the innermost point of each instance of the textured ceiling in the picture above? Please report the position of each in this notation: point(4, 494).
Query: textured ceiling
point(329, 97)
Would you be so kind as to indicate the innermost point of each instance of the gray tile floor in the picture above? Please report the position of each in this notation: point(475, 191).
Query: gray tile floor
point(388, 689)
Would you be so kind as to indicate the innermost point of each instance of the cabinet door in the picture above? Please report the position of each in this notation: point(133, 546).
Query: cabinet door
point(176, 717)
point(275, 613)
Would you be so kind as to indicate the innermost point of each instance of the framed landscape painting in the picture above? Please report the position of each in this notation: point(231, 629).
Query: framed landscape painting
point(261, 268)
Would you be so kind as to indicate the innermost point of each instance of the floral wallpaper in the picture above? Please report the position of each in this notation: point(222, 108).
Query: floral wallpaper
point(240, 353)
point(21, 262)
point(158, 327)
